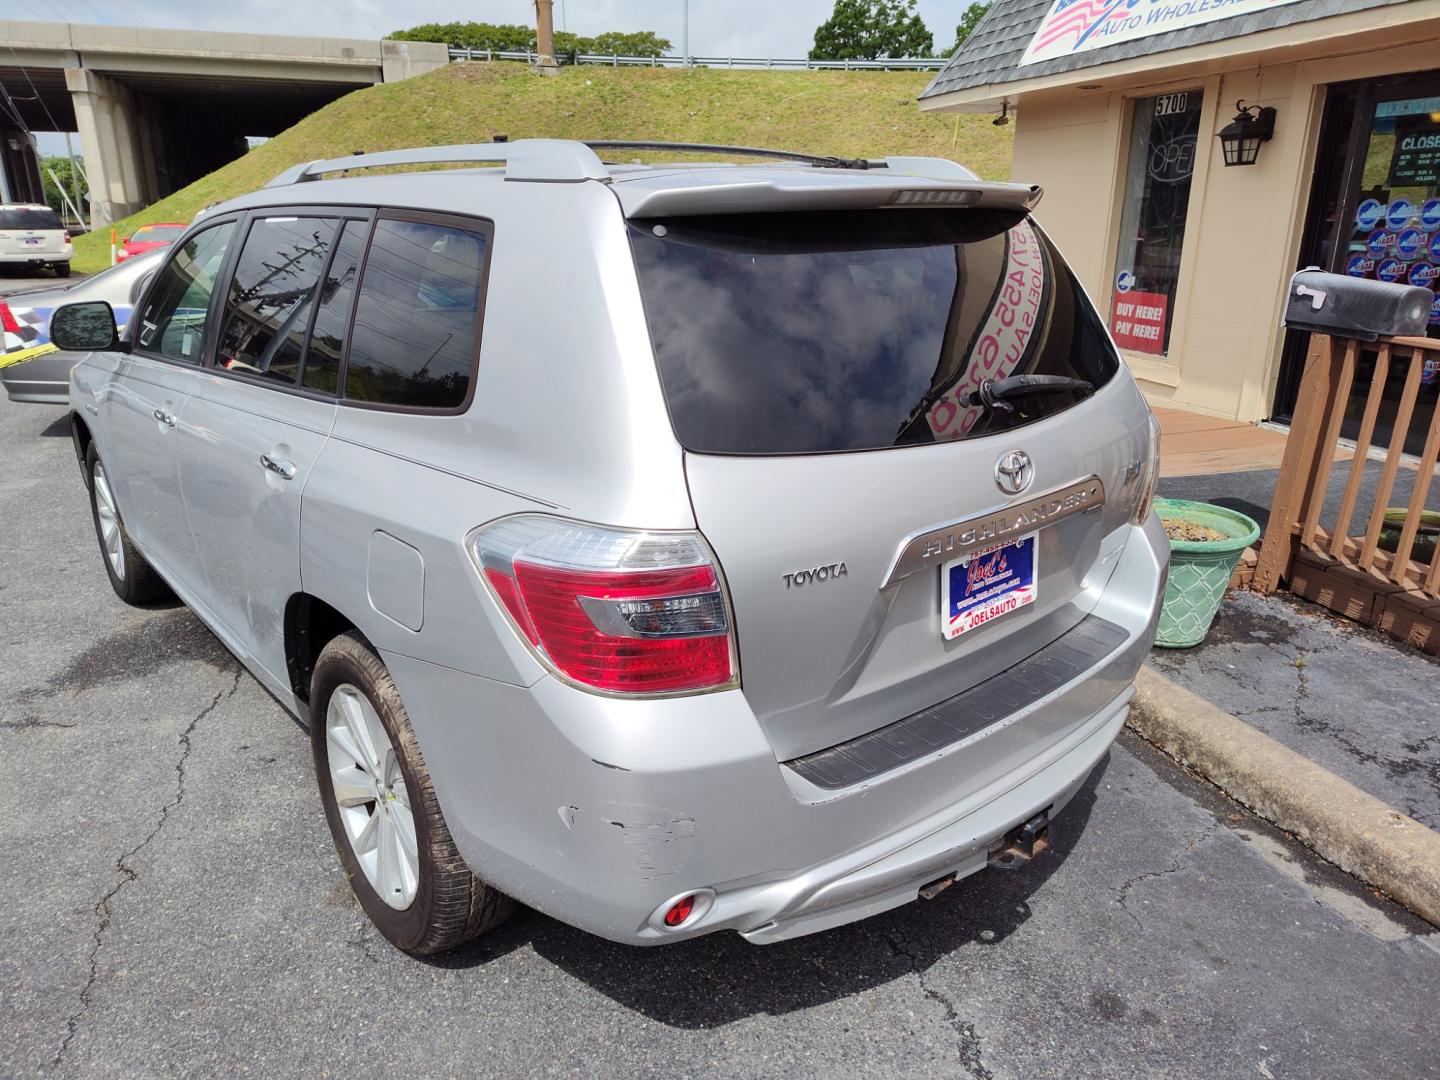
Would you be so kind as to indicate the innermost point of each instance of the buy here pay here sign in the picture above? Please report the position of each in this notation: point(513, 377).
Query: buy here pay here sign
point(1138, 321)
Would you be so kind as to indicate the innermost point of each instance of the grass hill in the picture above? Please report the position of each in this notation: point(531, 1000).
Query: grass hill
point(855, 113)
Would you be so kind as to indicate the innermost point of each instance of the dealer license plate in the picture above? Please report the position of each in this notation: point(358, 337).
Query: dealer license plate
point(984, 585)
point(32, 239)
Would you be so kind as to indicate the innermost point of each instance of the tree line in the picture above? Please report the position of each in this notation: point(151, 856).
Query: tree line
point(856, 30)
point(512, 37)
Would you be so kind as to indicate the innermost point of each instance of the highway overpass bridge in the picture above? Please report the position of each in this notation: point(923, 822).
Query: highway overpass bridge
point(157, 109)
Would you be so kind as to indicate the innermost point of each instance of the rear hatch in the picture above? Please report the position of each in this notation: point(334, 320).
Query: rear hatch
point(31, 232)
point(816, 366)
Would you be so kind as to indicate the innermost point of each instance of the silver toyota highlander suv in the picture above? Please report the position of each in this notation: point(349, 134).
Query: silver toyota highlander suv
point(671, 548)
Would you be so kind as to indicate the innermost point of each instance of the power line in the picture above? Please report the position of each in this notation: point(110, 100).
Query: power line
point(55, 126)
point(128, 13)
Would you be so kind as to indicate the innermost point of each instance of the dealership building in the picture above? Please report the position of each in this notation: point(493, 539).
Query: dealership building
point(1195, 153)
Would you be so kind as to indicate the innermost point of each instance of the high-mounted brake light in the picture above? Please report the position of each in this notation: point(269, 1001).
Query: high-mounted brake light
point(934, 197)
point(620, 611)
point(7, 319)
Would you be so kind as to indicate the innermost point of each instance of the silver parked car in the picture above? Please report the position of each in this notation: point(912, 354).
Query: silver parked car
point(25, 321)
point(671, 548)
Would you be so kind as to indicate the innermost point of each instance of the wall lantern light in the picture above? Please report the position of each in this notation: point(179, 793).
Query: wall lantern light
point(1241, 138)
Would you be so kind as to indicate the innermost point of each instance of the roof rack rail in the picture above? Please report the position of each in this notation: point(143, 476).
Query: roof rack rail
point(820, 161)
point(524, 159)
point(571, 161)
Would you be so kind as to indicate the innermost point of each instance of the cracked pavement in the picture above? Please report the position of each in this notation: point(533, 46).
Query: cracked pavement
point(172, 905)
point(1350, 699)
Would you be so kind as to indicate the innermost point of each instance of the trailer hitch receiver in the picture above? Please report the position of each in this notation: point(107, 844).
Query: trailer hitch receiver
point(1022, 845)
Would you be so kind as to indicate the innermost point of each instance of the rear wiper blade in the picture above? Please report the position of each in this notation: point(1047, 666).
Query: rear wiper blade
point(994, 393)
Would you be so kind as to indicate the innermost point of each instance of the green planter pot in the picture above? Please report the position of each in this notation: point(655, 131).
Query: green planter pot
point(1200, 570)
point(1426, 535)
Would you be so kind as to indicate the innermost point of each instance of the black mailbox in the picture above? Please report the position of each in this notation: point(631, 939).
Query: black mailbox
point(1355, 307)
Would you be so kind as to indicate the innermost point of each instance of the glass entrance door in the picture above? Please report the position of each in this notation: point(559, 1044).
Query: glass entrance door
point(1375, 213)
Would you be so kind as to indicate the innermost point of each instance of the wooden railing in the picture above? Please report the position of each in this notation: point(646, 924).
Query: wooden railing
point(1343, 565)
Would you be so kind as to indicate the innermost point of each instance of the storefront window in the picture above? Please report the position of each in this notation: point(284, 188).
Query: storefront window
point(1395, 236)
point(1152, 221)
point(1395, 230)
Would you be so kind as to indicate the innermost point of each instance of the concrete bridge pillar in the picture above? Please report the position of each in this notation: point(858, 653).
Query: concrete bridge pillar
point(110, 139)
point(19, 166)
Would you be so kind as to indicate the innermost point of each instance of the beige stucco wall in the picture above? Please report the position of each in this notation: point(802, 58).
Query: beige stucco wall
point(1243, 232)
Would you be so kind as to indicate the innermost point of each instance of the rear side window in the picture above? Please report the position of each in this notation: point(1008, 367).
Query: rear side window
point(322, 360)
point(832, 331)
point(417, 317)
point(23, 218)
point(267, 309)
point(173, 322)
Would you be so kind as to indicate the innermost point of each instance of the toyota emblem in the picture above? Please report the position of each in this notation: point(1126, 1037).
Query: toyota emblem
point(1014, 471)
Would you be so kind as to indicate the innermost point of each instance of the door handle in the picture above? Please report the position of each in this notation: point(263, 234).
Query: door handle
point(283, 469)
point(168, 419)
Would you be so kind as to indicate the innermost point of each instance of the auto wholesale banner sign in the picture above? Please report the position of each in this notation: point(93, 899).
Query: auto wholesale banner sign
point(1077, 26)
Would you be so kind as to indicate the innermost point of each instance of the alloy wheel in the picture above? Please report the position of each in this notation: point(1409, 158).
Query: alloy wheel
point(370, 793)
point(109, 517)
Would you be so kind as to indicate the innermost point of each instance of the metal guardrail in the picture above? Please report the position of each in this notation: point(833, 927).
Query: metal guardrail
point(924, 64)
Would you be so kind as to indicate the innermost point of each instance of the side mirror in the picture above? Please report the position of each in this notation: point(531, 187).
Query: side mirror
point(84, 327)
point(141, 284)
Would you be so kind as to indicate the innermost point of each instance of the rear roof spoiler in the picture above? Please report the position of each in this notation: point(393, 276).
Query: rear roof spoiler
point(712, 192)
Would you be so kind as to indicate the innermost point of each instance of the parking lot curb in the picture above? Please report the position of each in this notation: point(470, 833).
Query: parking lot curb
point(1350, 828)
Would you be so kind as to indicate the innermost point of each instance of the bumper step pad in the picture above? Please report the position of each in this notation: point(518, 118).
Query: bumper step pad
point(1083, 647)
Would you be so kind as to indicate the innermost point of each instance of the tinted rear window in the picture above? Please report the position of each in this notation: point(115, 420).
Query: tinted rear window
point(29, 219)
point(818, 332)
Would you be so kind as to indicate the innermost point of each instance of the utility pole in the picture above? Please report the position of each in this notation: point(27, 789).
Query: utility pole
point(545, 37)
point(685, 31)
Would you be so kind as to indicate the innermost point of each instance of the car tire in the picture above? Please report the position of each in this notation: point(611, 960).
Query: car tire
point(62, 269)
point(367, 757)
point(133, 579)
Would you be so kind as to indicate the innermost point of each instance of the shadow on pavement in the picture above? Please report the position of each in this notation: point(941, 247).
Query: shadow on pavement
point(57, 428)
point(721, 978)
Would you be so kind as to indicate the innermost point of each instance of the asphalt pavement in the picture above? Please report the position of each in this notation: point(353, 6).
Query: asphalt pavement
point(14, 280)
point(172, 905)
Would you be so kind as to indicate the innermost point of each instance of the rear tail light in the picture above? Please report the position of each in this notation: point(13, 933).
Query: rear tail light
point(619, 611)
point(7, 319)
point(1149, 478)
point(67, 236)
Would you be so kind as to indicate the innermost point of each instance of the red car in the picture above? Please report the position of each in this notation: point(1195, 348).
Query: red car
point(155, 235)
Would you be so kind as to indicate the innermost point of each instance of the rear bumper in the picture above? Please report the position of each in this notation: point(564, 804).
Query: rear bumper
point(602, 812)
point(37, 258)
point(855, 888)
